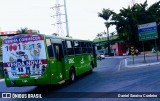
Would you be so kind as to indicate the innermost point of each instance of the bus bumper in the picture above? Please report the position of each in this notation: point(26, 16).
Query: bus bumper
point(25, 82)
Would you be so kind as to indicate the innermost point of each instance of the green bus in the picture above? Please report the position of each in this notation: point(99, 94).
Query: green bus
point(37, 59)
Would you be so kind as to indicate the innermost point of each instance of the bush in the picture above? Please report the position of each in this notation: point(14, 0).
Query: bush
point(1, 71)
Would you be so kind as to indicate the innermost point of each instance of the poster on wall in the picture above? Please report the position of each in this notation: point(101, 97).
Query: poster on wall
point(24, 55)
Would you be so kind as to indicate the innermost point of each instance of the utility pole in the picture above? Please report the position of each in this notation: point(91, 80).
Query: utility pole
point(67, 27)
point(58, 17)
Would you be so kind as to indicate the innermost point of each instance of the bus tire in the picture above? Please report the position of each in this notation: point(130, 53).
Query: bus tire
point(72, 75)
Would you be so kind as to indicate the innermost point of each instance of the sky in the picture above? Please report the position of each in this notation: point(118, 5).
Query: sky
point(83, 19)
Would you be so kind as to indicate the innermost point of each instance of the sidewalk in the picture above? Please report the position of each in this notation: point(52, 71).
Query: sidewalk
point(139, 61)
point(1, 80)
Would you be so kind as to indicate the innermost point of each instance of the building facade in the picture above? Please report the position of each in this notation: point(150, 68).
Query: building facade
point(116, 47)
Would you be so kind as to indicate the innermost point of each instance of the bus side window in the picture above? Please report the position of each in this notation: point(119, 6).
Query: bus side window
point(49, 48)
point(70, 50)
point(84, 47)
point(94, 50)
point(90, 50)
point(77, 47)
point(64, 47)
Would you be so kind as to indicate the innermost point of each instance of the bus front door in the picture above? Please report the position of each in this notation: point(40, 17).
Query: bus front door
point(59, 62)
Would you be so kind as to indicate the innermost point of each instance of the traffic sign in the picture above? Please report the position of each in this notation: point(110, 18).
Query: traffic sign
point(132, 50)
point(147, 31)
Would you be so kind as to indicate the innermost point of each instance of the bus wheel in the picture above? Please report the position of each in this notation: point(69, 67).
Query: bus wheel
point(72, 75)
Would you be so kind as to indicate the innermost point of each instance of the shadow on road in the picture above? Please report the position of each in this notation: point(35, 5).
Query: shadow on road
point(53, 90)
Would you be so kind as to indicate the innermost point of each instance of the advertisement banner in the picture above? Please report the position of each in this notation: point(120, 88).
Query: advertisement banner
point(24, 55)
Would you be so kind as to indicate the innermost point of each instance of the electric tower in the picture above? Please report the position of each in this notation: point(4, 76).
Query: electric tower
point(60, 15)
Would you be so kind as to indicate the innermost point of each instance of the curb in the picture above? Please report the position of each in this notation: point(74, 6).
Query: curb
point(1, 80)
point(140, 65)
point(114, 57)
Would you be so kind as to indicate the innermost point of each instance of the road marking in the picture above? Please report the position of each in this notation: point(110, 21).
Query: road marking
point(1, 80)
point(125, 62)
point(119, 67)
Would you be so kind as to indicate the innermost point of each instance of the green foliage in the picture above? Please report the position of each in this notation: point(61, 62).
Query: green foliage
point(128, 19)
point(106, 14)
point(55, 34)
point(1, 47)
point(0, 42)
point(23, 31)
point(1, 71)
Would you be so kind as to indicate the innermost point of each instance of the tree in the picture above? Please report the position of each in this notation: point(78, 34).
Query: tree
point(1, 40)
point(99, 35)
point(55, 34)
point(106, 14)
point(128, 19)
point(23, 31)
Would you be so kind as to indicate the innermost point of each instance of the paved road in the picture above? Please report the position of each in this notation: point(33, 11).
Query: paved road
point(106, 78)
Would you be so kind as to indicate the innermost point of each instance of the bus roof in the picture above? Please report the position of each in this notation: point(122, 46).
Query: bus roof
point(50, 36)
point(65, 38)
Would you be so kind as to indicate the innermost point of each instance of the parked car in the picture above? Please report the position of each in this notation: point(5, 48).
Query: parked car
point(102, 56)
